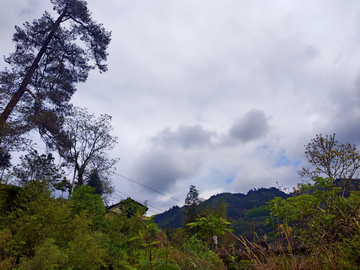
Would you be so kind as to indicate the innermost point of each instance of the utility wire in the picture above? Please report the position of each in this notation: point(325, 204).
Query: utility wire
point(153, 211)
point(138, 200)
point(121, 197)
point(148, 187)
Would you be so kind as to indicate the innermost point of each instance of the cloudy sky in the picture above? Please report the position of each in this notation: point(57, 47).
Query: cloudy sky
point(222, 95)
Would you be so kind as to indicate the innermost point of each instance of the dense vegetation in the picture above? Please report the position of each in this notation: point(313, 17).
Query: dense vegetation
point(38, 231)
point(247, 212)
point(317, 226)
point(314, 227)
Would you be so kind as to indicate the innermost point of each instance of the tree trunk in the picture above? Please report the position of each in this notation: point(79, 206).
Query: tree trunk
point(18, 94)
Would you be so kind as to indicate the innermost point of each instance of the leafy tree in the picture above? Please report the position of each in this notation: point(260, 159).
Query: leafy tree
point(48, 61)
point(38, 231)
point(41, 232)
point(326, 221)
point(328, 158)
point(210, 226)
point(29, 210)
point(84, 200)
point(318, 214)
point(89, 138)
point(37, 167)
point(64, 185)
point(193, 196)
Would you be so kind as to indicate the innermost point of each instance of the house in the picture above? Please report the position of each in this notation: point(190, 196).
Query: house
point(127, 207)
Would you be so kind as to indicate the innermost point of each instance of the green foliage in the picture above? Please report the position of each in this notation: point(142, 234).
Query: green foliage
point(48, 61)
point(220, 208)
point(233, 207)
point(84, 200)
point(34, 166)
point(210, 226)
point(88, 140)
point(40, 232)
point(197, 255)
point(5, 164)
point(171, 218)
point(325, 221)
point(8, 196)
point(63, 185)
point(192, 205)
point(180, 236)
point(147, 237)
point(262, 210)
point(331, 159)
point(95, 182)
point(193, 196)
point(319, 213)
point(129, 208)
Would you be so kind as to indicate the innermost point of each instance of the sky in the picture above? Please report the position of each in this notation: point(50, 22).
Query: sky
point(222, 95)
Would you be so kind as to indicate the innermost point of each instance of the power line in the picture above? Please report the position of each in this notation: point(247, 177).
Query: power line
point(153, 211)
point(138, 200)
point(122, 198)
point(148, 187)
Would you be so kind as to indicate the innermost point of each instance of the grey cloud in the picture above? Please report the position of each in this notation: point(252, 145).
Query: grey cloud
point(161, 169)
point(305, 53)
point(343, 111)
point(186, 62)
point(253, 126)
point(311, 52)
point(186, 137)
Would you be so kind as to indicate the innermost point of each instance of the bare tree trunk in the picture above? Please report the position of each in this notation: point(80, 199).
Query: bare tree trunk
point(18, 94)
point(73, 181)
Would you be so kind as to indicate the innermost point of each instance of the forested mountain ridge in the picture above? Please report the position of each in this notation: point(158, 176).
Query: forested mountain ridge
point(237, 205)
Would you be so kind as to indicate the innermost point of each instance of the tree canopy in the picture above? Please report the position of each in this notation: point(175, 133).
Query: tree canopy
point(327, 157)
point(192, 203)
point(51, 56)
point(34, 166)
point(88, 138)
point(319, 215)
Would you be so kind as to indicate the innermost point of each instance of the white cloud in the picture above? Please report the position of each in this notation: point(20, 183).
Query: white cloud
point(185, 76)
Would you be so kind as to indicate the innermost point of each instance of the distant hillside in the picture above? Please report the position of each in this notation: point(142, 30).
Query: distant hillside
point(237, 205)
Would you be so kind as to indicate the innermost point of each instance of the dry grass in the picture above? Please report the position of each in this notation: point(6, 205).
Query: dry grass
point(288, 254)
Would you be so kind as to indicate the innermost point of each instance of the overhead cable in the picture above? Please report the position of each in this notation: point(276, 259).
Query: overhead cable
point(148, 187)
point(138, 200)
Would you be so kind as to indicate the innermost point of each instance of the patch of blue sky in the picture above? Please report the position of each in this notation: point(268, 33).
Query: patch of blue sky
point(283, 160)
point(229, 180)
point(217, 174)
point(263, 149)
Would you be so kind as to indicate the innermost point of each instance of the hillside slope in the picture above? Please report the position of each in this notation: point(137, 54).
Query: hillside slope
point(237, 205)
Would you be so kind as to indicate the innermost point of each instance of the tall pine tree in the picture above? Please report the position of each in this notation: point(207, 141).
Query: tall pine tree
point(192, 205)
point(51, 56)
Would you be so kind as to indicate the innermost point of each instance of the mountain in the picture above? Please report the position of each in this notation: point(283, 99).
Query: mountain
point(237, 205)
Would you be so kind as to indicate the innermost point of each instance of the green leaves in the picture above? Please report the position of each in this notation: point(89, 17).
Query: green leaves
point(89, 139)
point(41, 232)
point(210, 226)
point(321, 218)
point(37, 167)
point(84, 200)
point(329, 158)
point(47, 63)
